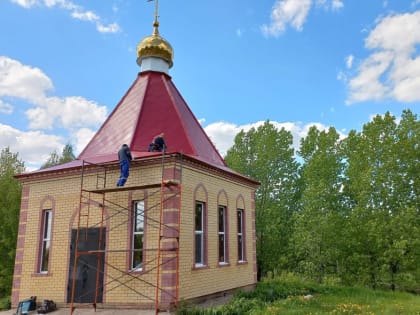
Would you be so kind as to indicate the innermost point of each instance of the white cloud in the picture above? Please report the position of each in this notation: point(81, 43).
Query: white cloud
point(66, 113)
point(110, 28)
point(285, 12)
point(22, 81)
point(82, 138)
point(39, 118)
point(337, 4)
point(74, 106)
point(329, 4)
point(5, 108)
point(18, 81)
point(25, 3)
point(294, 13)
point(34, 147)
point(28, 85)
point(349, 61)
point(342, 76)
point(393, 68)
point(223, 134)
point(76, 12)
point(367, 84)
point(85, 16)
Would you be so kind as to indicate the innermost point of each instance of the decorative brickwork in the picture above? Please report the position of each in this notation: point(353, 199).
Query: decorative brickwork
point(169, 263)
point(20, 242)
point(20, 245)
point(172, 174)
point(179, 279)
point(254, 236)
point(168, 297)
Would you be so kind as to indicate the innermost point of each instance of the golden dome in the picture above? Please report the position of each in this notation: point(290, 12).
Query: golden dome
point(155, 46)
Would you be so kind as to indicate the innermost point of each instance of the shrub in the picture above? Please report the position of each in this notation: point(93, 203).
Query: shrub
point(270, 290)
point(5, 303)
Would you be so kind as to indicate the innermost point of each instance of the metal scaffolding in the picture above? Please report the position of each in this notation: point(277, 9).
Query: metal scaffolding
point(100, 204)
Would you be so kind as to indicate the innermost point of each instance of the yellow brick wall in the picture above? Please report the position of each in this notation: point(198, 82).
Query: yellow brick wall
point(196, 282)
point(62, 194)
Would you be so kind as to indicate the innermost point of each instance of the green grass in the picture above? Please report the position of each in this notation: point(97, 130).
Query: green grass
point(348, 301)
point(287, 297)
point(4, 303)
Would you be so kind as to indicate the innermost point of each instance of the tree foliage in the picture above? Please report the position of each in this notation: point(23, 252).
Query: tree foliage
point(342, 209)
point(266, 154)
point(10, 194)
point(348, 211)
point(67, 155)
point(382, 185)
point(315, 239)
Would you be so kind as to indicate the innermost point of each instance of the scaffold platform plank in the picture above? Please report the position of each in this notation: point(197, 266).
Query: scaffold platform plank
point(127, 188)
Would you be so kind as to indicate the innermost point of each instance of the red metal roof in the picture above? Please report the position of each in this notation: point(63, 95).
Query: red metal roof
point(152, 105)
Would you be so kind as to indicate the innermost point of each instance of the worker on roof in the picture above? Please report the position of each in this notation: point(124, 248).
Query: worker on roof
point(124, 156)
point(158, 144)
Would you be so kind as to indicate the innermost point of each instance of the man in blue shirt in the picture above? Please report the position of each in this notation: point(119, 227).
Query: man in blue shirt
point(158, 144)
point(124, 155)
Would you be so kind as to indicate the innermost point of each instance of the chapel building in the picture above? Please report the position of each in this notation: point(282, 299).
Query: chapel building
point(181, 228)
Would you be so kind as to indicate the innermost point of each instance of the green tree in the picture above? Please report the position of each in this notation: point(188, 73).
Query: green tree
point(266, 154)
point(382, 189)
point(10, 194)
point(67, 155)
point(316, 237)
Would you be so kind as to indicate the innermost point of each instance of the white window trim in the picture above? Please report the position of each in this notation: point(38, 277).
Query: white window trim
point(219, 233)
point(200, 232)
point(241, 234)
point(137, 211)
point(46, 225)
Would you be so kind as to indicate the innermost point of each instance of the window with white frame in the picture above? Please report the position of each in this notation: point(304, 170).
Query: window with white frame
point(241, 240)
point(46, 241)
point(222, 234)
point(199, 234)
point(138, 236)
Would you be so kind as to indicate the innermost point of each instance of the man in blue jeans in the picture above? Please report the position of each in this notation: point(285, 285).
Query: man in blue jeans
point(124, 155)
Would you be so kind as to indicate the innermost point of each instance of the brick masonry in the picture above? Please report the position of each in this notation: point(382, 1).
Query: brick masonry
point(23, 219)
point(123, 286)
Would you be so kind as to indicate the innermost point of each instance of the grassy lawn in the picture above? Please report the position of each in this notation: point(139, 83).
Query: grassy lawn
point(275, 296)
point(348, 301)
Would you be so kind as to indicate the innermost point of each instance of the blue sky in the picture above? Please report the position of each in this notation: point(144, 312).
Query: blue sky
point(65, 64)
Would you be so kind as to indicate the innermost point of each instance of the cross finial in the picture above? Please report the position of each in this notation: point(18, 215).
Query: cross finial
point(156, 22)
point(156, 10)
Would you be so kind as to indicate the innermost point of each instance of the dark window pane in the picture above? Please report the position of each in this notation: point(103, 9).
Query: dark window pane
point(139, 223)
point(45, 256)
point(199, 249)
point(221, 248)
point(47, 224)
point(199, 217)
point(240, 248)
point(46, 240)
point(221, 219)
point(138, 231)
point(138, 251)
point(139, 217)
point(239, 221)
